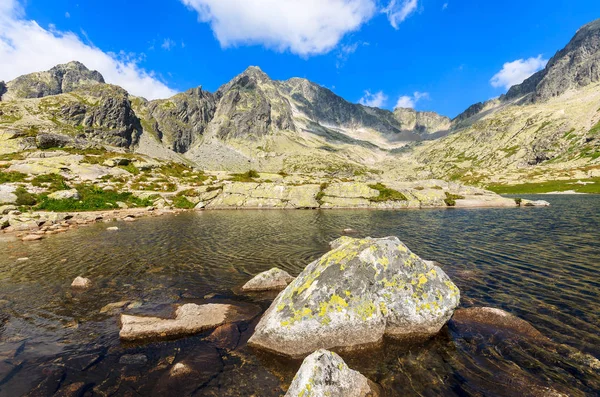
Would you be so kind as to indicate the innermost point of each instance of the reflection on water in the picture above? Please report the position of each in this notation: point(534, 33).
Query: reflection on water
point(541, 264)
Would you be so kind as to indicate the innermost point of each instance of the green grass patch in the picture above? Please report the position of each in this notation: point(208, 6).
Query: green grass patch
point(24, 198)
point(132, 169)
point(387, 194)
point(12, 156)
point(450, 199)
point(245, 177)
point(52, 182)
point(188, 192)
point(549, 186)
point(182, 202)
point(12, 176)
point(321, 194)
point(595, 129)
point(93, 198)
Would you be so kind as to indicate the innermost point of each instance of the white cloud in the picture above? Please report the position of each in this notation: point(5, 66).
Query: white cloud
point(517, 71)
point(67, 15)
point(26, 47)
point(445, 6)
point(168, 44)
point(305, 27)
point(398, 10)
point(376, 100)
point(406, 101)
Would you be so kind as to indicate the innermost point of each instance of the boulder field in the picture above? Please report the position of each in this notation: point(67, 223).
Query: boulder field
point(359, 292)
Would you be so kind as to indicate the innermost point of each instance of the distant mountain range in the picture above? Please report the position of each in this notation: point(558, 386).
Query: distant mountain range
point(255, 122)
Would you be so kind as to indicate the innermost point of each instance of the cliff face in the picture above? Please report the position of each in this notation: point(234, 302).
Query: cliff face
point(58, 80)
point(575, 66)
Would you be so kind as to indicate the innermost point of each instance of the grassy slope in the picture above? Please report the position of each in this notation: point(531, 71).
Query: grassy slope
point(550, 186)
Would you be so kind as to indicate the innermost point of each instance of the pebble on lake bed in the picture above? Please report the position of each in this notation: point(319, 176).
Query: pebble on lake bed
point(112, 228)
point(22, 259)
point(81, 282)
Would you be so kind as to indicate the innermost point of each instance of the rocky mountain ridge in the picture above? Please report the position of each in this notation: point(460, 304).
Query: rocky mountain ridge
point(549, 121)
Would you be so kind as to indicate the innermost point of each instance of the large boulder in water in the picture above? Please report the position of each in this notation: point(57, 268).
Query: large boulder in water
point(354, 295)
point(324, 373)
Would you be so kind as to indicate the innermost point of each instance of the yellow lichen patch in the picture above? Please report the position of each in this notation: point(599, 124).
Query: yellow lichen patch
point(297, 316)
point(422, 279)
point(336, 303)
point(384, 261)
point(366, 310)
point(402, 248)
point(383, 308)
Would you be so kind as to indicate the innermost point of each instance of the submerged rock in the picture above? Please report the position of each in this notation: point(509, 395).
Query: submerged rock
point(273, 279)
point(351, 297)
point(81, 282)
point(324, 373)
point(133, 359)
point(489, 320)
point(227, 336)
point(189, 319)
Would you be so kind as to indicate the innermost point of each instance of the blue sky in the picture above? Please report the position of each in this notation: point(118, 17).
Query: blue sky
point(438, 55)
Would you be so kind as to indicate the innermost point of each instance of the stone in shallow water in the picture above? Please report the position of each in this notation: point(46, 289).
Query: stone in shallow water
point(273, 279)
point(81, 282)
point(226, 336)
point(324, 373)
point(351, 297)
point(489, 320)
point(133, 359)
point(189, 319)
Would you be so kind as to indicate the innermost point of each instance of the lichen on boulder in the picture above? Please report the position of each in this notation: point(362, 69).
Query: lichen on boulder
point(356, 294)
point(324, 373)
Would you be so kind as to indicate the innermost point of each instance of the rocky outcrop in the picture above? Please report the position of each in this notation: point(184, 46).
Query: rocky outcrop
point(3, 89)
point(575, 66)
point(324, 373)
point(424, 194)
point(421, 122)
point(58, 80)
point(273, 279)
point(189, 319)
point(351, 297)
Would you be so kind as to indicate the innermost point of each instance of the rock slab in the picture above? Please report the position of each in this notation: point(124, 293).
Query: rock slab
point(356, 294)
point(189, 319)
point(324, 373)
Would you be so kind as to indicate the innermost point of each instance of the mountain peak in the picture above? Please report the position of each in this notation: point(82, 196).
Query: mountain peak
point(573, 67)
point(60, 79)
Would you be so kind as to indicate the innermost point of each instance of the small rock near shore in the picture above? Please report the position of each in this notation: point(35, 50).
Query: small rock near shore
point(81, 282)
point(32, 237)
point(273, 279)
